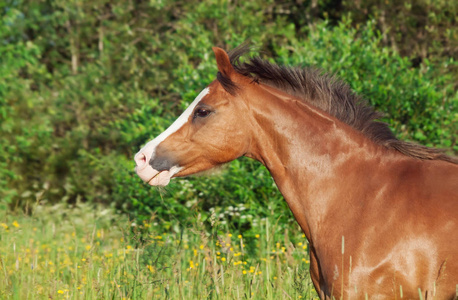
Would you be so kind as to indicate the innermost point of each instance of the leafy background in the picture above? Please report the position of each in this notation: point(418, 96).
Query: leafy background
point(84, 84)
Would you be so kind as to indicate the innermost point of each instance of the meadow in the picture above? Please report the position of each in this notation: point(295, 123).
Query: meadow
point(87, 252)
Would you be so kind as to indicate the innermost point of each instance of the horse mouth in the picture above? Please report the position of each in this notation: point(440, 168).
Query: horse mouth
point(152, 178)
point(162, 178)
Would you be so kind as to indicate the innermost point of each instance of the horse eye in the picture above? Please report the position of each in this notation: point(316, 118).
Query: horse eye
point(201, 113)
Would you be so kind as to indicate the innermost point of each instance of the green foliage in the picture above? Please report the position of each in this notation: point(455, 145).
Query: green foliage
point(418, 29)
point(83, 85)
point(16, 59)
point(421, 29)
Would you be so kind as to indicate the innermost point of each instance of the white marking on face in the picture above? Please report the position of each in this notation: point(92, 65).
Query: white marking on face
point(150, 148)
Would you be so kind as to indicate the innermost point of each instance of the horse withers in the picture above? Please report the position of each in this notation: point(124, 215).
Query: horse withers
point(347, 179)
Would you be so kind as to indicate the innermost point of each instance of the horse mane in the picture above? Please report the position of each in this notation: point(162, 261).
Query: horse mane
point(329, 94)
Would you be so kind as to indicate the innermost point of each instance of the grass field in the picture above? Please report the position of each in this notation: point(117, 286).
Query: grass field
point(86, 252)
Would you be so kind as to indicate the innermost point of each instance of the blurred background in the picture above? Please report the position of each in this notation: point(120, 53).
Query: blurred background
point(84, 84)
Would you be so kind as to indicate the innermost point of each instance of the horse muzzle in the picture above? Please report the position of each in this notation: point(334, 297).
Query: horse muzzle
point(155, 171)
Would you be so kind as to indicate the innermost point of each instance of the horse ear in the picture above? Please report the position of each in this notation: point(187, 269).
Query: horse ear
point(223, 61)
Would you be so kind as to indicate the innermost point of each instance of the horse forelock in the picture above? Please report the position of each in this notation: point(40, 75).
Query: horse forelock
point(327, 93)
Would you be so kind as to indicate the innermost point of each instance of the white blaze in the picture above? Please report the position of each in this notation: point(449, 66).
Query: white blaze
point(150, 148)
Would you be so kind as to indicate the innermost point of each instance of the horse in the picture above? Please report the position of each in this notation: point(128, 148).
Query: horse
point(380, 214)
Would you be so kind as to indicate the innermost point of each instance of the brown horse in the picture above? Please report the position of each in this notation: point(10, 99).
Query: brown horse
point(381, 215)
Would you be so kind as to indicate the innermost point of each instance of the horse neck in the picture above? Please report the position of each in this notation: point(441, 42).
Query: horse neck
point(308, 153)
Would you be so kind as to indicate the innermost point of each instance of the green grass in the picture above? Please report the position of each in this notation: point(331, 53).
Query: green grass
point(87, 252)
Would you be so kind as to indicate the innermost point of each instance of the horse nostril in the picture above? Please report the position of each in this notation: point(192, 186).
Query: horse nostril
point(140, 159)
point(161, 163)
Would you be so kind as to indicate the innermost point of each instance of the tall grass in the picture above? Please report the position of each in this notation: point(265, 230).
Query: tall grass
point(87, 252)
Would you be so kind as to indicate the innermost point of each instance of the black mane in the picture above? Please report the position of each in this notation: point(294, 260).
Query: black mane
point(328, 94)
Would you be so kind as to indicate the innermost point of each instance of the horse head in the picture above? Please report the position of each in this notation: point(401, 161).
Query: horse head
point(208, 133)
